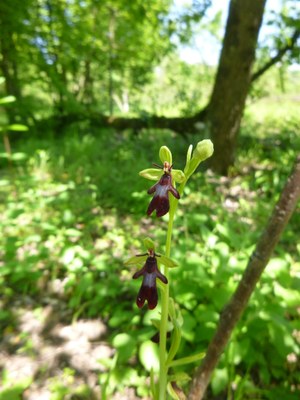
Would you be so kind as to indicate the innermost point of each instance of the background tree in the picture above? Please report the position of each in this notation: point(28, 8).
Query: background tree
point(95, 60)
point(233, 79)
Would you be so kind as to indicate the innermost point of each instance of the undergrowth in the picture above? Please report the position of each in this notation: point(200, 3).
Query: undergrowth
point(70, 210)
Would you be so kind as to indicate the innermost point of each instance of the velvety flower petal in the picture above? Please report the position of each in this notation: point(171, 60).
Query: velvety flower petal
point(160, 201)
point(152, 189)
point(148, 290)
point(162, 277)
point(163, 207)
point(174, 192)
point(139, 273)
point(149, 294)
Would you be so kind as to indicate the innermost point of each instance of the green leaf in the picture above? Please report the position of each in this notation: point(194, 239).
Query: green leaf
point(220, 380)
point(156, 323)
point(172, 392)
point(17, 127)
point(179, 377)
point(165, 155)
point(289, 297)
point(73, 232)
point(18, 156)
point(15, 391)
point(125, 345)
point(7, 99)
point(187, 360)
point(175, 342)
point(153, 174)
point(149, 356)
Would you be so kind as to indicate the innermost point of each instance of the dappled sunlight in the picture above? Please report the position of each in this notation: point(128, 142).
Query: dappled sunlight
point(93, 95)
point(43, 344)
point(68, 299)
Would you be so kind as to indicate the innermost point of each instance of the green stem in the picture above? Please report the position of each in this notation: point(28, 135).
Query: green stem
point(163, 370)
point(163, 367)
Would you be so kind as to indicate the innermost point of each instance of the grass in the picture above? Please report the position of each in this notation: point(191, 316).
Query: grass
point(72, 209)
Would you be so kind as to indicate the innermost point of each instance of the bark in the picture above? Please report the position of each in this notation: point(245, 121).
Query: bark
point(233, 79)
point(111, 40)
point(256, 265)
point(88, 93)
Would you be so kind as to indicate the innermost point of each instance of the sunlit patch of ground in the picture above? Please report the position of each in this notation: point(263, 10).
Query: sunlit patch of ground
point(48, 353)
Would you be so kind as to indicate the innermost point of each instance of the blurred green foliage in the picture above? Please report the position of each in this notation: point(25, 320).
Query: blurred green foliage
point(73, 209)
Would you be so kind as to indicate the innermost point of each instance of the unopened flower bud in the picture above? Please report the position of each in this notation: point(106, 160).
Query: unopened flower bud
point(204, 150)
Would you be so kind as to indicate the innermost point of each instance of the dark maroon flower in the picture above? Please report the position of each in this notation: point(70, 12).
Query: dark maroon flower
point(148, 290)
point(161, 189)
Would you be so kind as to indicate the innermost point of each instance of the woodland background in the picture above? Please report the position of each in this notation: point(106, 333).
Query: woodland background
point(90, 91)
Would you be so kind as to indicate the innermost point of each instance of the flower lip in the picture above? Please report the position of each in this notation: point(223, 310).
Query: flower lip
point(150, 273)
point(160, 201)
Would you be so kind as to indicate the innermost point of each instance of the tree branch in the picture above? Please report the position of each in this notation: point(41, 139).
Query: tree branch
point(256, 265)
point(181, 125)
point(277, 57)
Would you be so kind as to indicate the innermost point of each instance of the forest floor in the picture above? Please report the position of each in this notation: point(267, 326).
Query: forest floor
point(50, 353)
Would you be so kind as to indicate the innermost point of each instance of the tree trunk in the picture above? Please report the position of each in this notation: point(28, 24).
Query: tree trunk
point(233, 79)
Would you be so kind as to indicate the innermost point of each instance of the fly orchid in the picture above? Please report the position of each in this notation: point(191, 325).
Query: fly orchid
point(150, 273)
point(160, 201)
point(165, 178)
point(148, 290)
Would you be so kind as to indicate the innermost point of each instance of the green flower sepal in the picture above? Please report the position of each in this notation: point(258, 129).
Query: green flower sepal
point(150, 247)
point(155, 174)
